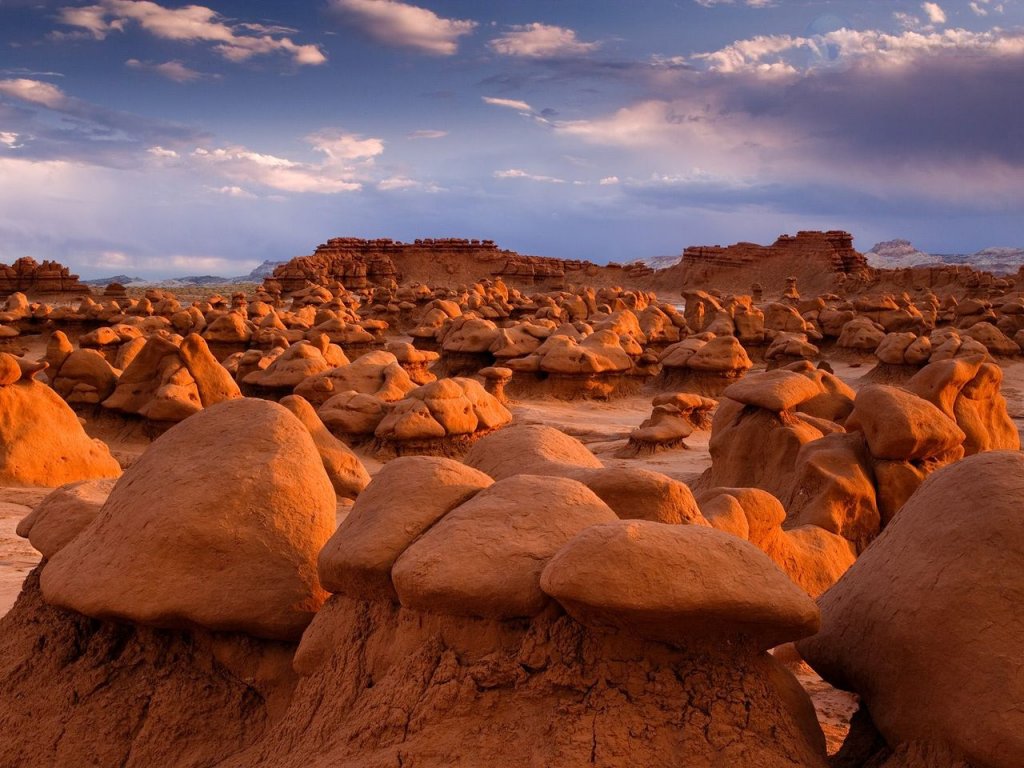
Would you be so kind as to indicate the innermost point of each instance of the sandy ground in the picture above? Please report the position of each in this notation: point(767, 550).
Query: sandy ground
point(603, 427)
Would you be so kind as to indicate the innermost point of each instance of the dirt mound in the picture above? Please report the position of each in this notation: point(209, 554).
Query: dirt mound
point(76, 691)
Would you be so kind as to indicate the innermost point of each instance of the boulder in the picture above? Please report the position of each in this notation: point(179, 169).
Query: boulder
point(218, 524)
point(677, 584)
point(485, 557)
point(926, 626)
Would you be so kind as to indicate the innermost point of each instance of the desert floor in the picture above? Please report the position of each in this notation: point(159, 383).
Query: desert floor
point(603, 426)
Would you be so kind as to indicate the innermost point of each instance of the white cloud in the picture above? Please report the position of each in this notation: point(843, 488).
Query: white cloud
point(233, 191)
point(985, 7)
point(10, 140)
point(161, 152)
point(934, 13)
point(522, 106)
point(782, 55)
point(751, 3)
point(341, 147)
point(172, 70)
point(541, 41)
point(426, 134)
point(235, 42)
point(609, 181)
point(518, 173)
point(348, 156)
point(404, 183)
point(34, 91)
point(404, 25)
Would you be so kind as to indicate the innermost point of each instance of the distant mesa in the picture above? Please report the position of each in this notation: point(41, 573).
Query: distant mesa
point(357, 263)
point(816, 259)
point(30, 277)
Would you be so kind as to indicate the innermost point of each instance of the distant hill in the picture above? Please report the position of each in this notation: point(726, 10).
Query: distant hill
point(263, 271)
point(103, 282)
point(900, 254)
point(661, 262)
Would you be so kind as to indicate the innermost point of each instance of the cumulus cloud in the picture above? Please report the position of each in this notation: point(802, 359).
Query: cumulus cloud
point(609, 181)
point(541, 41)
point(404, 25)
point(33, 91)
point(341, 147)
point(347, 157)
point(9, 139)
point(518, 173)
point(934, 13)
point(787, 55)
point(936, 127)
point(191, 23)
point(162, 152)
point(172, 70)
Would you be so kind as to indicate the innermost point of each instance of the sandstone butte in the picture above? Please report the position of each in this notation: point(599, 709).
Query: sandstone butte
point(29, 277)
point(441, 504)
point(820, 261)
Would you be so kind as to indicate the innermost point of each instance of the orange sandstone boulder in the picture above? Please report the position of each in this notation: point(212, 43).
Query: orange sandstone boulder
point(406, 497)
point(485, 557)
point(926, 626)
point(41, 440)
point(677, 584)
point(218, 524)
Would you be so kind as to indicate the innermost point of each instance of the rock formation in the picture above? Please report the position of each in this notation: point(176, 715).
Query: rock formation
point(926, 625)
point(30, 277)
point(41, 440)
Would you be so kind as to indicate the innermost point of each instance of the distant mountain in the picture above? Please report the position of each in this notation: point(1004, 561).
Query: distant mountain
point(103, 282)
point(661, 262)
point(899, 254)
point(195, 280)
point(261, 273)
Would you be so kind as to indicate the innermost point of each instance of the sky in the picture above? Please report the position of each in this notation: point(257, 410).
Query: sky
point(159, 139)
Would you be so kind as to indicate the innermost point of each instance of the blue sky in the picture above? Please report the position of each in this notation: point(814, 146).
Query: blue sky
point(159, 138)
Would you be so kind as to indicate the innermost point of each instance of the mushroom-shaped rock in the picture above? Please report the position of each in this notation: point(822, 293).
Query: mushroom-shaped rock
point(160, 384)
point(406, 497)
point(778, 390)
point(295, 365)
point(485, 557)
point(900, 425)
point(640, 494)
point(352, 414)
point(347, 473)
point(530, 449)
point(677, 584)
point(968, 391)
point(41, 440)
point(456, 408)
point(85, 377)
point(926, 626)
point(862, 334)
point(812, 557)
point(217, 524)
point(63, 514)
point(376, 373)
